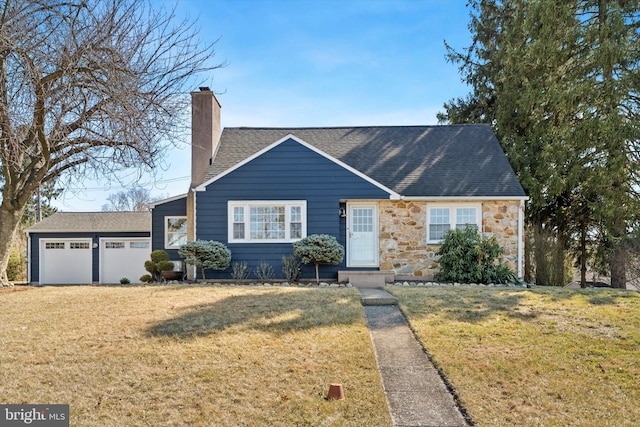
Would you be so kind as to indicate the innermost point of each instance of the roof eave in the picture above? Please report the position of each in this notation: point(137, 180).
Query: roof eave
point(462, 198)
point(167, 200)
point(86, 231)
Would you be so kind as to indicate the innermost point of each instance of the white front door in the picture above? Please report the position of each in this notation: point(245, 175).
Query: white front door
point(362, 235)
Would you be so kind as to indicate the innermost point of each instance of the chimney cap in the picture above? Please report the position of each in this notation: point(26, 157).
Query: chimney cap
point(204, 89)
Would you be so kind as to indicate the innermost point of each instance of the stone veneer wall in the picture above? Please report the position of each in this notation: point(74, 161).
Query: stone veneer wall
point(403, 235)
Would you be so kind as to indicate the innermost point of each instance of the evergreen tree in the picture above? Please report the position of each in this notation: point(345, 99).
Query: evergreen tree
point(611, 34)
point(556, 81)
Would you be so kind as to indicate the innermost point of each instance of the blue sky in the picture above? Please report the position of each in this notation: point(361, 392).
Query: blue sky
point(315, 63)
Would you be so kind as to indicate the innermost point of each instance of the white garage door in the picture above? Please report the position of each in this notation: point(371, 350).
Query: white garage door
point(65, 261)
point(123, 258)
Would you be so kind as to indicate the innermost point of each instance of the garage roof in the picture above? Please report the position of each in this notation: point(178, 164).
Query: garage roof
point(76, 222)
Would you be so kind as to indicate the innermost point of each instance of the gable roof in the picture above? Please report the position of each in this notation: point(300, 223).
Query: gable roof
point(291, 137)
point(413, 161)
point(93, 222)
point(166, 200)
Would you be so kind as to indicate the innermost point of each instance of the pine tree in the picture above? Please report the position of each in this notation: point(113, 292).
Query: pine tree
point(611, 34)
point(556, 81)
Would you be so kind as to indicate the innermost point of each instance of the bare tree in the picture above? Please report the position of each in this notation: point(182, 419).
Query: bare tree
point(135, 199)
point(88, 88)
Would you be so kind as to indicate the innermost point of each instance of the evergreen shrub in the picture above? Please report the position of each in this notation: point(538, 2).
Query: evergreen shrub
point(158, 264)
point(468, 257)
point(206, 255)
point(319, 249)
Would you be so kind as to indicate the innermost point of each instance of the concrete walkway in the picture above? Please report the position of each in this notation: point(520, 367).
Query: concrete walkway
point(416, 394)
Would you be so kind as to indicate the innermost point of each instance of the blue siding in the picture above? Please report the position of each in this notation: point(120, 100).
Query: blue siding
point(289, 171)
point(95, 238)
point(174, 208)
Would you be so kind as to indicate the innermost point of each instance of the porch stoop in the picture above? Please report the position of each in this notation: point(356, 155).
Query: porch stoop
point(366, 278)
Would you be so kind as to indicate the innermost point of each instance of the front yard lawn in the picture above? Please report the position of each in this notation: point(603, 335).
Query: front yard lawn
point(542, 356)
point(254, 356)
point(191, 355)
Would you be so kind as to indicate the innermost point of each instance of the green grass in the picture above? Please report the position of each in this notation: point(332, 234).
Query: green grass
point(544, 356)
point(189, 355)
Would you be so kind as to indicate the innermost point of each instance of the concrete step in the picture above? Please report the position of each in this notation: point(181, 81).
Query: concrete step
point(371, 296)
point(366, 278)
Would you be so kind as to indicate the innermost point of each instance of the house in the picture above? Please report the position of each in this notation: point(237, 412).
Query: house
point(387, 193)
point(88, 247)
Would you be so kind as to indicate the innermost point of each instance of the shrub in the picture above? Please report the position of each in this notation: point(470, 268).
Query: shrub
point(146, 278)
point(467, 257)
point(157, 264)
point(165, 266)
point(206, 254)
point(124, 281)
point(319, 249)
point(239, 271)
point(17, 265)
point(264, 271)
point(291, 266)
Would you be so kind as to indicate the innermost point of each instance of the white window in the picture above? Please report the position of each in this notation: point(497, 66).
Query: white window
point(267, 222)
point(54, 245)
point(114, 245)
point(79, 245)
point(175, 231)
point(139, 245)
point(441, 218)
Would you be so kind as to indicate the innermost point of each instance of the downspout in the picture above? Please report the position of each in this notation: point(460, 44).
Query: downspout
point(151, 227)
point(195, 229)
point(521, 239)
point(28, 257)
point(191, 228)
point(195, 222)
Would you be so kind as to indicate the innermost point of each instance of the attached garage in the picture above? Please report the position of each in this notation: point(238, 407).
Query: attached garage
point(71, 248)
point(123, 258)
point(65, 261)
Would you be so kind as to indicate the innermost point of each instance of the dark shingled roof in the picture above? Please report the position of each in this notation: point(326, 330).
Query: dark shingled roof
point(94, 222)
point(432, 161)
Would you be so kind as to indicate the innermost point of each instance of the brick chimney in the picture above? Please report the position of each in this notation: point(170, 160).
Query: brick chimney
point(205, 132)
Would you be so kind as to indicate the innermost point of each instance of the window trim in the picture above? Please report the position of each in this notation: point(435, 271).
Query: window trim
point(247, 204)
point(452, 216)
point(166, 230)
